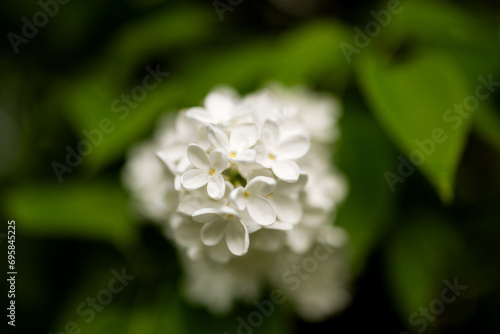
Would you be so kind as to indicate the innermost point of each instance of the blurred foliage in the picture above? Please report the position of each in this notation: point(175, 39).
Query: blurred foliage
point(441, 222)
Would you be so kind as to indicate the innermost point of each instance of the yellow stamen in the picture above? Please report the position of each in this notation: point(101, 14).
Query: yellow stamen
point(232, 154)
point(245, 194)
point(271, 156)
point(211, 171)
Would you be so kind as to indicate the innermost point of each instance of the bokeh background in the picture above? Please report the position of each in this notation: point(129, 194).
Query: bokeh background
point(396, 84)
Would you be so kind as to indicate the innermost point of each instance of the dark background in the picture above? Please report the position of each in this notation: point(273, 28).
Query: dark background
point(441, 223)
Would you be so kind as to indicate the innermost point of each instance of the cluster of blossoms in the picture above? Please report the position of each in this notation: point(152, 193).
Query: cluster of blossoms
point(246, 189)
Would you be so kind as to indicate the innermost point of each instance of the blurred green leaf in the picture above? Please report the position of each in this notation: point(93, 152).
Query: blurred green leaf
point(411, 101)
point(311, 53)
point(165, 314)
point(85, 210)
point(418, 259)
point(241, 320)
point(161, 32)
point(364, 155)
point(488, 125)
point(442, 27)
point(440, 23)
point(97, 98)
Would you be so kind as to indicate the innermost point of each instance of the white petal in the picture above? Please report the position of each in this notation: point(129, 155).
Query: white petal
point(164, 159)
point(219, 253)
point(293, 147)
point(218, 160)
point(237, 238)
point(198, 157)
point(261, 210)
point(287, 188)
point(220, 103)
point(262, 156)
point(237, 198)
point(195, 253)
point(251, 224)
point(245, 156)
point(314, 217)
point(207, 215)
point(288, 210)
point(300, 240)
point(216, 186)
point(260, 172)
point(280, 226)
point(217, 137)
point(268, 240)
point(187, 234)
point(194, 179)
point(212, 233)
point(260, 185)
point(199, 114)
point(270, 133)
point(243, 136)
point(227, 211)
point(286, 170)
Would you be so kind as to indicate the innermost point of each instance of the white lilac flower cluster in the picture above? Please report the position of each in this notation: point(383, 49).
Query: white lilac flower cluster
point(246, 189)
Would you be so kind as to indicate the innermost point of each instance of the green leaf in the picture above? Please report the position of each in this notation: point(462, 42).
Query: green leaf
point(441, 27)
point(84, 210)
point(364, 155)
point(414, 102)
point(311, 54)
point(418, 258)
point(164, 314)
point(487, 125)
point(167, 30)
point(97, 98)
point(441, 24)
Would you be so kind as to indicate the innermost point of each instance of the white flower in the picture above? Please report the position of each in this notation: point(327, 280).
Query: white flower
point(208, 169)
point(221, 106)
point(223, 222)
point(245, 190)
point(279, 153)
point(243, 136)
point(285, 200)
point(251, 198)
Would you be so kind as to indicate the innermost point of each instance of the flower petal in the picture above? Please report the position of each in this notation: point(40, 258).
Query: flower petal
point(293, 147)
point(300, 240)
point(268, 240)
point(219, 253)
point(260, 185)
point(199, 114)
point(261, 210)
point(280, 226)
point(292, 188)
point(237, 238)
point(245, 156)
point(217, 137)
point(194, 179)
point(237, 198)
point(270, 133)
point(216, 186)
point(220, 103)
point(243, 136)
point(227, 211)
point(198, 157)
point(262, 156)
point(187, 234)
point(207, 215)
point(288, 210)
point(286, 170)
point(212, 233)
point(218, 160)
